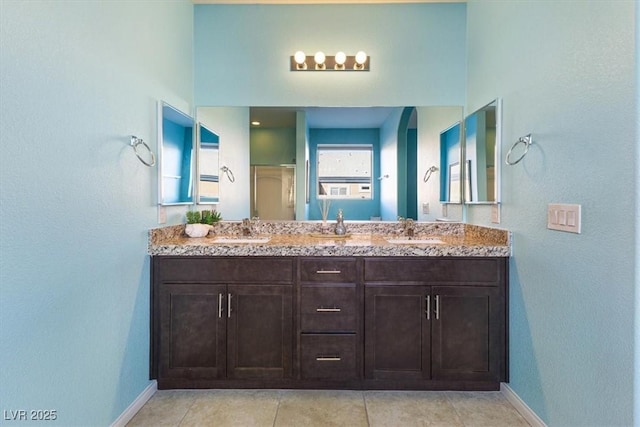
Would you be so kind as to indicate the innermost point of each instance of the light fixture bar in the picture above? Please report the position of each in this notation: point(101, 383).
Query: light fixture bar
point(330, 63)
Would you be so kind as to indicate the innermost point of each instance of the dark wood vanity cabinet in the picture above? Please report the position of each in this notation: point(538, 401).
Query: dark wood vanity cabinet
point(329, 322)
point(437, 320)
point(221, 319)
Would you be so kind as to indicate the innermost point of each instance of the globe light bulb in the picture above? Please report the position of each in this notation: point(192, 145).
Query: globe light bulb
point(341, 58)
point(299, 57)
point(319, 57)
point(361, 57)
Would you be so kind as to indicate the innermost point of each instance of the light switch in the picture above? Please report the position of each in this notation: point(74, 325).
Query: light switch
point(495, 214)
point(162, 214)
point(564, 217)
point(425, 208)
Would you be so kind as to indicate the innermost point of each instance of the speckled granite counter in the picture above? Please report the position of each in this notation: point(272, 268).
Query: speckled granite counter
point(296, 238)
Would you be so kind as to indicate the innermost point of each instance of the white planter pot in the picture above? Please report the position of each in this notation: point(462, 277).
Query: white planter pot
point(197, 230)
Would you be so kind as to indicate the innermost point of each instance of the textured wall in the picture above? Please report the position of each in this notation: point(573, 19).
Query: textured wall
point(78, 78)
point(417, 54)
point(566, 73)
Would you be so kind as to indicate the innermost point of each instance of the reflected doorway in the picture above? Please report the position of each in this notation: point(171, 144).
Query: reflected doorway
point(273, 192)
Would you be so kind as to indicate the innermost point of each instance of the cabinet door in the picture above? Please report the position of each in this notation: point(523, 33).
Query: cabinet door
point(397, 332)
point(192, 331)
point(467, 335)
point(260, 331)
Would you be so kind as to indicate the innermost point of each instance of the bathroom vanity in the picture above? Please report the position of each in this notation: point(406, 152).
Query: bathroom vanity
point(354, 313)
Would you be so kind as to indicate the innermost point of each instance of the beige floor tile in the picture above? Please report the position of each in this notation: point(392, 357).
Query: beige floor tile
point(410, 409)
point(321, 408)
point(165, 409)
point(230, 408)
point(479, 409)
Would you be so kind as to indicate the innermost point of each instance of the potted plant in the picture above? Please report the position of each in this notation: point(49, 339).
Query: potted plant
point(200, 223)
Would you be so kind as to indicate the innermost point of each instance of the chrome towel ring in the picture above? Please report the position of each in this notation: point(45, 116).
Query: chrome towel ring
point(137, 142)
point(527, 141)
point(429, 172)
point(229, 174)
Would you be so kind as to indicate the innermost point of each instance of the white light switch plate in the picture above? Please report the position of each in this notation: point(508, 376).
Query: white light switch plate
point(162, 214)
point(564, 217)
point(495, 214)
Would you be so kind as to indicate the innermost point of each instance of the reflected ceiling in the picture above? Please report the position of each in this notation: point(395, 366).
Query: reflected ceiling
point(323, 117)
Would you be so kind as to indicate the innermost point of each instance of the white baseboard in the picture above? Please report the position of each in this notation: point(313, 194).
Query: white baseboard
point(136, 405)
point(524, 410)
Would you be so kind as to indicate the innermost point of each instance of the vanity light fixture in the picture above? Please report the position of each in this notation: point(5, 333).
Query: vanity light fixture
point(321, 62)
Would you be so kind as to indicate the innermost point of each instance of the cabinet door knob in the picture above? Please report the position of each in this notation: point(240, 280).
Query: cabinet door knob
point(328, 310)
point(328, 358)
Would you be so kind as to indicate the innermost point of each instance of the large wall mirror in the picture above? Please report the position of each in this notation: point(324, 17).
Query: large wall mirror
point(278, 149)
point(176, 156)
point(482, 131)
point(208, 166)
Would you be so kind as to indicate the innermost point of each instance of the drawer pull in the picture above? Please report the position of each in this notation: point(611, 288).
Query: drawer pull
point(328, 358)
point(328, 310)
point(328, 272)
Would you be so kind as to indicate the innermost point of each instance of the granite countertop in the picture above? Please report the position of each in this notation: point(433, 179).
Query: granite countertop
point(291, 238)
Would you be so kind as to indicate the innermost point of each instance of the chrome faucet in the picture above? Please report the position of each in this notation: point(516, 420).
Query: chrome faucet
point(246, 227)
point(408, 226)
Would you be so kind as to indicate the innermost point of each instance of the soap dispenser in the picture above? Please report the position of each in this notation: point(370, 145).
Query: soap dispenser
point(340, 227)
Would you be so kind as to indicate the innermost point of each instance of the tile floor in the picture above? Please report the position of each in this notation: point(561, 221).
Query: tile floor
point(298, 408)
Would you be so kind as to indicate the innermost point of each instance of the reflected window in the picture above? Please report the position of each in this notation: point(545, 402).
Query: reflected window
point(344, 171)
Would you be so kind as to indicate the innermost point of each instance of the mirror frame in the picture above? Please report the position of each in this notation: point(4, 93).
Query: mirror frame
point(185, 118)
point(497, 157)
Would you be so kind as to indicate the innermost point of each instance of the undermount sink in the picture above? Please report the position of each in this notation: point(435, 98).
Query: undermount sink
point(241, 239)
point(412, 241)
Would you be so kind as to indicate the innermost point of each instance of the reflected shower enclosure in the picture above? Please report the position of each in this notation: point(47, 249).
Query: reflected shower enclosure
point(273, 192)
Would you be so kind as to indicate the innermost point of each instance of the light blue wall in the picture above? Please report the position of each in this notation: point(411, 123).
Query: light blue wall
point(417, 54)
point(567, 74)
point(77, 79)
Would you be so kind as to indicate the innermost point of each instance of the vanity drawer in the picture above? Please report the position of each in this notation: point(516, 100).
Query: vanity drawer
point(223, 269)
point(328, 270)
point(485, 270)
point(326, 308)
point(324, 356)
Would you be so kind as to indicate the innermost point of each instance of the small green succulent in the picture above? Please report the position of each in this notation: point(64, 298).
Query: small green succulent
point(204, 217)
point(209, 217)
